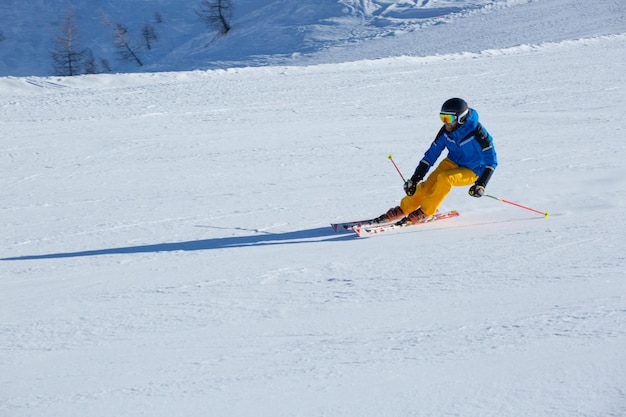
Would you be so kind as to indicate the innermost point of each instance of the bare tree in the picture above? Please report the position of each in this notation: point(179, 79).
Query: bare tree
point(90, 63)
point(216, 14)
point(127, 50)
point(67, 55)
point(105, 65)
point(149, 36)
point(122, 41)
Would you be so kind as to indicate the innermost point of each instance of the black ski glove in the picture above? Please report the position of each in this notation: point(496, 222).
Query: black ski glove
point(411, 185)
point(478, 189)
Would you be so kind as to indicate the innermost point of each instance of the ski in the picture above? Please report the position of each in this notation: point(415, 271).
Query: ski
point(371, 230)
point(348, 226)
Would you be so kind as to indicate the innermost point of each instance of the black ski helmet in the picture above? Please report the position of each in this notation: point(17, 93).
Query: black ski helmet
point(457, 107)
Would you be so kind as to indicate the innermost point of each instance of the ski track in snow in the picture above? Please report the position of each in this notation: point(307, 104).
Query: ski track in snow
point(167, 249)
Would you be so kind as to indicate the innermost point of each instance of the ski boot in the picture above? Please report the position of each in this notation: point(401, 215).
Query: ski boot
point(392, 214)
point(418, 216)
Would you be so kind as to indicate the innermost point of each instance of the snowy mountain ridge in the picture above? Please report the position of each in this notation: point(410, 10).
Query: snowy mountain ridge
point(282, 31)
point(259, 28)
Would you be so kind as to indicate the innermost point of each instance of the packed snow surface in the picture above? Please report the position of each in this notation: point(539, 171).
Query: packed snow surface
point(167, 249)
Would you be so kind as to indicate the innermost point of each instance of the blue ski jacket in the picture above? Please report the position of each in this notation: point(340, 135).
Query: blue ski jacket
point(469, 146)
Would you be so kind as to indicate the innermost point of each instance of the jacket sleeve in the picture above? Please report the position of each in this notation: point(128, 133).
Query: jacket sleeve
point(433, 153)
point(489, 155)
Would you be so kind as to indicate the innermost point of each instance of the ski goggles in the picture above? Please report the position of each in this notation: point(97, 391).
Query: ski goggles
point(448, 118)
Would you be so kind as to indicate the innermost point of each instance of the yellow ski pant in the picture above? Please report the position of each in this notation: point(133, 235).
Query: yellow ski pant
point(430, 194)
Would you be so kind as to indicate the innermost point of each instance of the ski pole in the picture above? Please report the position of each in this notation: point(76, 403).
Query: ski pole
point(396, 166)
point(545, 213)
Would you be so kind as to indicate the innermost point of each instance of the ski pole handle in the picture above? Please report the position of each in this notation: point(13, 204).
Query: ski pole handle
point(396, 166)
point(545, 213)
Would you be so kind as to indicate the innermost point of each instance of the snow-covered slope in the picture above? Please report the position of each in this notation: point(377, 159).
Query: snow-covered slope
point(291, 31)
point(166, 247)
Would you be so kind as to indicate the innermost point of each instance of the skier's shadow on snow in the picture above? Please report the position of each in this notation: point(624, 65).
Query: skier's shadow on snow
point(262, 239)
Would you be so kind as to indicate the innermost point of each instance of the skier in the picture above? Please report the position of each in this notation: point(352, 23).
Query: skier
point(471, 160)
